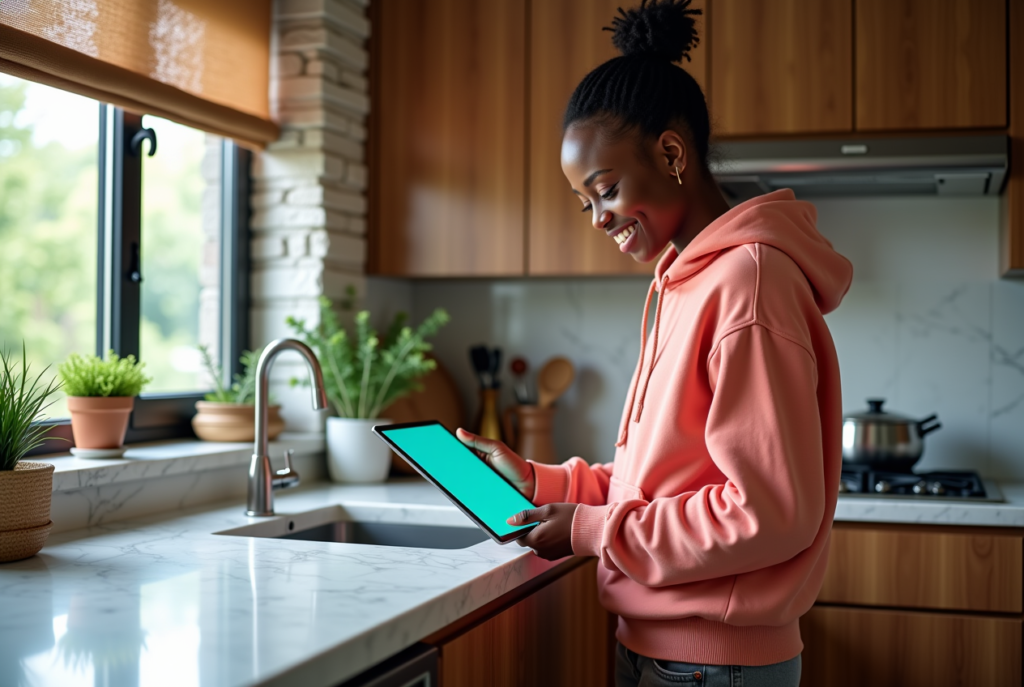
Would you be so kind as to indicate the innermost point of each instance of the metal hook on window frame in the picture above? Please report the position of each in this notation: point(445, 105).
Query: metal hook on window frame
point(143, 135)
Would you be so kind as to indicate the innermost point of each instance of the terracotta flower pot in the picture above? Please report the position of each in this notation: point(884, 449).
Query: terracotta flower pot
point(99, 422)
point(25, 523)
point(233, 421)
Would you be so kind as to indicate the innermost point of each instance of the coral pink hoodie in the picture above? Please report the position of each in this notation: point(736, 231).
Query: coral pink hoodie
point(712, 524)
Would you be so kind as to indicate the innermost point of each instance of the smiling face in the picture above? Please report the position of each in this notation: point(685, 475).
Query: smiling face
point(629, 189)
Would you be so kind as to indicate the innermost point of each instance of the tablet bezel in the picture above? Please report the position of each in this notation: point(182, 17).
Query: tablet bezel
point(380, 431)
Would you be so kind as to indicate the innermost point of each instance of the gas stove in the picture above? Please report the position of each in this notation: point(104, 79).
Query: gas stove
point(957, 486)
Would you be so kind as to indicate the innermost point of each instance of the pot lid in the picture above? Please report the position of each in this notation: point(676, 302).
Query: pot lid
point(874, 413)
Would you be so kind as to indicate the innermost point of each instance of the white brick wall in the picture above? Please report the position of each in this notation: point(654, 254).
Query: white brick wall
point(309, 187)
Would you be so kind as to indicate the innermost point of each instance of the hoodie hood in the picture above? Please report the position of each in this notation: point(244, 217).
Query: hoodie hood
point(775, 219)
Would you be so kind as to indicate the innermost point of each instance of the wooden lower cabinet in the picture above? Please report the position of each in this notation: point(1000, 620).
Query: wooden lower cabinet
point(915, 605)
point(864, 646)
point(558, 635)
point(926, 566)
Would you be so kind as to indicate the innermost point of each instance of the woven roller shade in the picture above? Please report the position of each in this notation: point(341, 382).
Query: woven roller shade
point(203, 63)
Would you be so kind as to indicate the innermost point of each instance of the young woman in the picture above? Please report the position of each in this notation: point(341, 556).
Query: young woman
point(712, 523)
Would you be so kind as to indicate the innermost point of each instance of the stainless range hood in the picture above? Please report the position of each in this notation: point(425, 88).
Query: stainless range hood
point(946, 165)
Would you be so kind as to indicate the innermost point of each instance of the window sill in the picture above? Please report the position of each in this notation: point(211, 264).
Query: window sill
point(165, 458)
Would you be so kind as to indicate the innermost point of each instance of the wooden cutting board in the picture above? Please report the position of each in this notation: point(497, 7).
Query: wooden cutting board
point(439, 400)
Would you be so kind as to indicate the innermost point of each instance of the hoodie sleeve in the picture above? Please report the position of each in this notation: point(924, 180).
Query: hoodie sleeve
point(571, 482)
point(763, 432)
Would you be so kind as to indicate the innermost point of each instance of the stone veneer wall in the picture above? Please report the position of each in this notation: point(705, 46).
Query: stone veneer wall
point(309, 188)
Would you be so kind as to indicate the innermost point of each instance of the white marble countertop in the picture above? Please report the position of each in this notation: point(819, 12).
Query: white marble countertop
point(924, 511)
point(163, 600)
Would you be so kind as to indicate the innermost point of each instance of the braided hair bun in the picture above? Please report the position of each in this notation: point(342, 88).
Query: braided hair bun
point(643, 90)
point(662, 29)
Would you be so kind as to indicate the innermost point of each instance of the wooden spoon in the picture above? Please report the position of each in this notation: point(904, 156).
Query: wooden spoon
point(553, 379)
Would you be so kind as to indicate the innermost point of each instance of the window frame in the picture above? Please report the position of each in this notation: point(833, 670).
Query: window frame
point(119, 239)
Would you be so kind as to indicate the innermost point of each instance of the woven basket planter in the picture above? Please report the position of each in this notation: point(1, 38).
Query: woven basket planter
point(233, 421)
point(100, 422)
point(25, 523)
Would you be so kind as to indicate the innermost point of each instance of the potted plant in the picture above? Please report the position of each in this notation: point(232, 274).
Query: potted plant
point(229, 413)
point(364, 373)
point(101, 395)
point(25, 487)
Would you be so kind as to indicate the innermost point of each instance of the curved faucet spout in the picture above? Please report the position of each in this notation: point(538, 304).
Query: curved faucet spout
point(262, 481)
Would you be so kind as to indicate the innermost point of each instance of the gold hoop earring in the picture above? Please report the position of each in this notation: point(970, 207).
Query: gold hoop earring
point(677, 177)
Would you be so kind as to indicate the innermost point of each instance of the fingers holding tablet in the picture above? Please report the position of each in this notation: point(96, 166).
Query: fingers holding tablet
point(552, 538)
point(503, 459)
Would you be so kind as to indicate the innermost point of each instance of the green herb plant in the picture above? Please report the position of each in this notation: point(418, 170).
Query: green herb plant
point(22, 398)
point(90, 375)
point(243, 389)
point(364, 373)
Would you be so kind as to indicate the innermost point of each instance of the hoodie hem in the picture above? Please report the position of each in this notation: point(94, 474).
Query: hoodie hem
point(699, 640)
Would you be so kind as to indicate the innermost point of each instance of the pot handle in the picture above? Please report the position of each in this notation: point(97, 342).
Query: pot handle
point(924, 426)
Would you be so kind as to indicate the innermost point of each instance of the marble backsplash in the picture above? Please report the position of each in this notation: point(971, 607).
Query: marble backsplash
point(927, 325)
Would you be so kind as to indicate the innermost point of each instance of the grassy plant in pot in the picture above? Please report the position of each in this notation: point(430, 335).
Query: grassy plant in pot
point(364, 373)
point(229, 413)
point(101, 395)
point(25, 487)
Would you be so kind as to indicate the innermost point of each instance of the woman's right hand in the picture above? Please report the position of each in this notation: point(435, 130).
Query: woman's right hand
point(503, 459)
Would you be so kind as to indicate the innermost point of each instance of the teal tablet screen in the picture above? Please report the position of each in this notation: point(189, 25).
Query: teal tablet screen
point(471, 481)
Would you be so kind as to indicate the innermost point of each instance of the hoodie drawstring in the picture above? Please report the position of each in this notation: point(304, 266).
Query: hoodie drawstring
point(654, 355)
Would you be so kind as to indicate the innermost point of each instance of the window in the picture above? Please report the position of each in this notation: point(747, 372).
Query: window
point(48, 207)
point(180, 253)
point(104, 245)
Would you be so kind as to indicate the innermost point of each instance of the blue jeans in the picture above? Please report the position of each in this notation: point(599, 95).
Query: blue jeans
point(634, 670)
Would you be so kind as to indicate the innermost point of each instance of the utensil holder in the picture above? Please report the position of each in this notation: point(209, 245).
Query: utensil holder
point(529, 431)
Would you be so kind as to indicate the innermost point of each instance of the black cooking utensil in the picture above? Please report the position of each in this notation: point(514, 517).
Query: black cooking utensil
point(495, 367)
point(480, 357)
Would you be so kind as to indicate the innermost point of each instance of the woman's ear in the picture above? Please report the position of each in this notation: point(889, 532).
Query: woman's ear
point(672, 148)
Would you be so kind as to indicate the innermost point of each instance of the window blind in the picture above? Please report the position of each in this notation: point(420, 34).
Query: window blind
point(202, 63)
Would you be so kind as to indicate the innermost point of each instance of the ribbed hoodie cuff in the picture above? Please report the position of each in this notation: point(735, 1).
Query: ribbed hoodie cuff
point(550, 483)
point(588, 529)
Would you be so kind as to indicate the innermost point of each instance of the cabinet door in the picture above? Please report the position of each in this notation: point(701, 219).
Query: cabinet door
point(566, 42)
point(781, 66)
point(852, 647)
point(449, 137)
point(968, 569)
point(931, 64)
point(1012, 248)
point(558, 636)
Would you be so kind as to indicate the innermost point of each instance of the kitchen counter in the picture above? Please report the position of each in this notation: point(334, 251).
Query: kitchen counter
point(163, 600)
point(924, 511)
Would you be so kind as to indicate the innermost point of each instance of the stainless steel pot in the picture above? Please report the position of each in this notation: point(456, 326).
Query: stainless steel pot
point(885, 441)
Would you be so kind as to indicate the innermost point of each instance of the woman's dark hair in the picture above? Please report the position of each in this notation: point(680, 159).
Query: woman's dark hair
point(643, 90)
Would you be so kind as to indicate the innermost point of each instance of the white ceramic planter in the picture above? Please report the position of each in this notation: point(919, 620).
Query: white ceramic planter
point(354, 453)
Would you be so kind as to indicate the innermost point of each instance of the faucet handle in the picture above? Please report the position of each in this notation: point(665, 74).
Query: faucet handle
point(286, 477)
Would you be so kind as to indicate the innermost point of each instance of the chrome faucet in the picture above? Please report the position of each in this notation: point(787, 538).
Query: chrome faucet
point(262, 481)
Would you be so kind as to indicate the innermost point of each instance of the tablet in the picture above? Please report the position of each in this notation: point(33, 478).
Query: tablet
point(471, 484)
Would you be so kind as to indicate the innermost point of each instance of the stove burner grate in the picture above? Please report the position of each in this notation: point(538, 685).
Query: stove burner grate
point(966, 485)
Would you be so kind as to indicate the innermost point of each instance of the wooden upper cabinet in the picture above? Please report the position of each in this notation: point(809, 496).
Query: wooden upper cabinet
point(931, 64)
point(449, 137)
point(566, 42)
point(781, 67)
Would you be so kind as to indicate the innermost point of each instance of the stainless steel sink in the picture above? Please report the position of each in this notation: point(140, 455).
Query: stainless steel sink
point(432, 528)
point(392, 534)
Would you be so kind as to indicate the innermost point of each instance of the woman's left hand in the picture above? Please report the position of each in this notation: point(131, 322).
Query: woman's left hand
point(552, 538)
